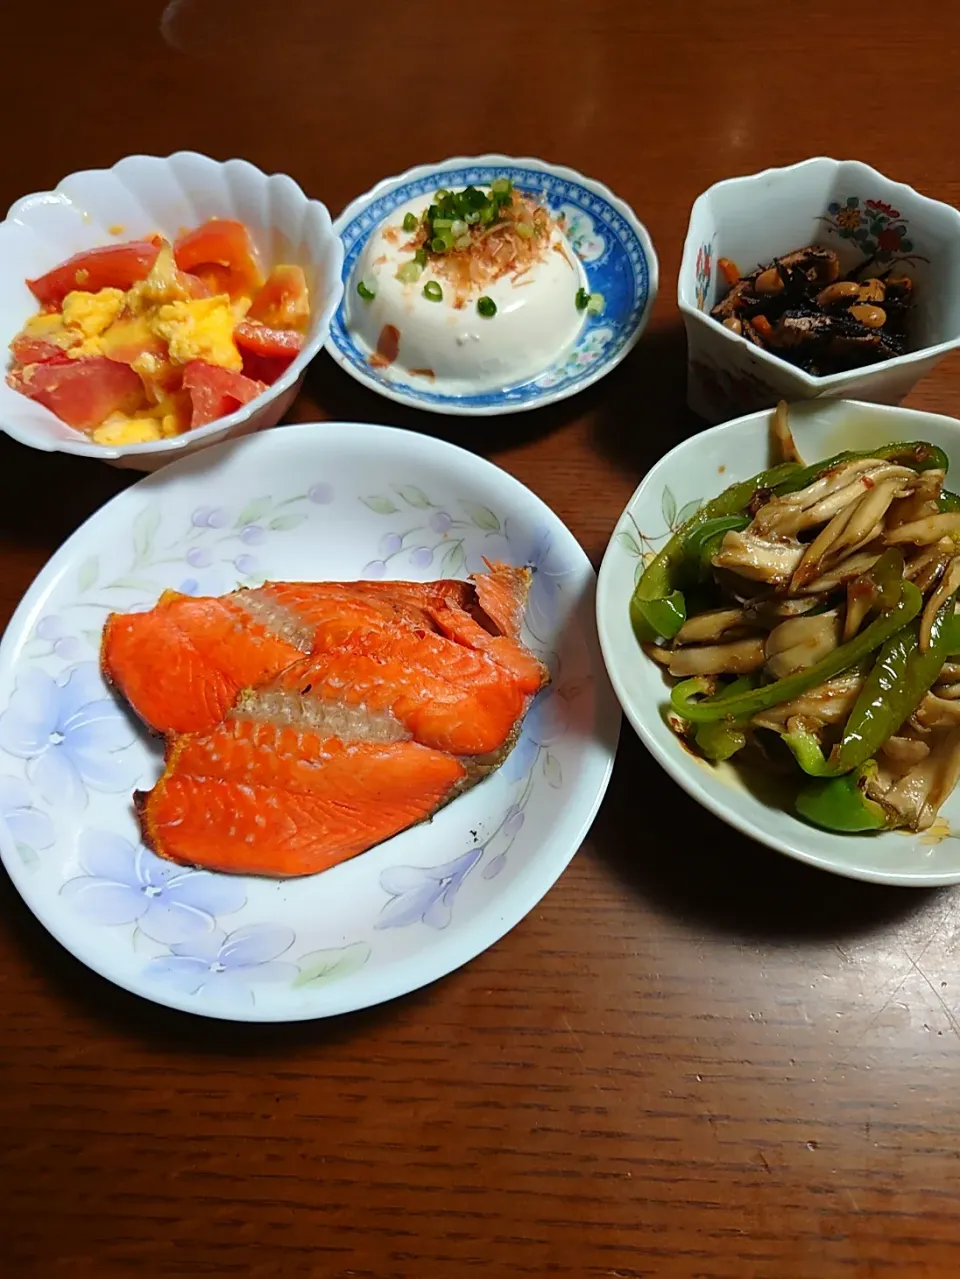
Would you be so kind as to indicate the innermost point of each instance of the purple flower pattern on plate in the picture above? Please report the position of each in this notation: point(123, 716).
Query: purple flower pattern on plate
point(438, 540)
point(54, 631)
point(127, 884)
point(29, 827)
point(227, 966)
point(424, 894)
point(546, 723)
point(71, 733)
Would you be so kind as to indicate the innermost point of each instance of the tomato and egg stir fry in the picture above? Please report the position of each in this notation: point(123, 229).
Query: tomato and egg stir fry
point(139, 341)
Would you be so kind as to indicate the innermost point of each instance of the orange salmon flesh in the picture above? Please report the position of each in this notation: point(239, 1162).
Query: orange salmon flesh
point(307, 722)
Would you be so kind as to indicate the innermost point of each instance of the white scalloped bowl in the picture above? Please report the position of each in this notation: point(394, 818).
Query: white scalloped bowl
point(146, 194)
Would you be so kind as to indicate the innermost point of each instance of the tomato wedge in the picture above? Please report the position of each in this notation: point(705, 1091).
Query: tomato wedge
point(222, 254)
point(113, 266)
point(28, 350)
point(283, 302)
point(265, 368)
point(215, 392)
point(259, 339)
point(83, 392)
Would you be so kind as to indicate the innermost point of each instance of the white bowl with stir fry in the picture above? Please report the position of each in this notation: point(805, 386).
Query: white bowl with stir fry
point(777, 613)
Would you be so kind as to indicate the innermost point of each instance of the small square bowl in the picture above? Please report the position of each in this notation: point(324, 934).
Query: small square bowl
point(143, 194)
point(840, 204)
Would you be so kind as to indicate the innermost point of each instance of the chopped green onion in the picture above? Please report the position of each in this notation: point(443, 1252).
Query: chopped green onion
point(366, 293)
point(410, 272)
point(442, 224)
point(459, 227)
point(420, 257)
point(487, 307)
point(487, 214)
point(432, 291)
point(442, 194)
point(501, 186)
point(582, 299)
point(525, 230)
point(596, 304)
point(410, 222)
point(464, 242)
point(441, 243)
point(471, 218)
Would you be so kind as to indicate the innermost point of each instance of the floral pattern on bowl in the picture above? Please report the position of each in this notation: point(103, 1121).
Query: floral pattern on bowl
point(613, 246)
point(324, 501)
point(878, 230)
point(704, 273)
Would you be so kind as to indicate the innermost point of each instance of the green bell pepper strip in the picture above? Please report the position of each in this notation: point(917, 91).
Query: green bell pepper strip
point(743, 705)
point(720, 740)
point(893, 690)
point(659, 583)
point(841, 803)
point(886, 576)
point(703, 542)
point(662, 616)
point(949, 501)
point(953, 637)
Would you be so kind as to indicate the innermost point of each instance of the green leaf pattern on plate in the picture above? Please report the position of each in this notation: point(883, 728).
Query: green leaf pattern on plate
point(380, 505)
point(88, 574)
point(320, 967)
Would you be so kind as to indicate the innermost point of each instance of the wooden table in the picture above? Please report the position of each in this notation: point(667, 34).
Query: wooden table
point(694, 1058)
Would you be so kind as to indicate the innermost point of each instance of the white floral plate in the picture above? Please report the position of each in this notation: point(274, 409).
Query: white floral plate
point(308, 502)
point(613, 246)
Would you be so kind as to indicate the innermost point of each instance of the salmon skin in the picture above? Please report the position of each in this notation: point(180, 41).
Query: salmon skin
point(321, 718)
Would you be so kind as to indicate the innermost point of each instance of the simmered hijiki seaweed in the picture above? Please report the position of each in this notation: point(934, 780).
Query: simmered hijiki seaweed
point(808, 617)
point(800, 309)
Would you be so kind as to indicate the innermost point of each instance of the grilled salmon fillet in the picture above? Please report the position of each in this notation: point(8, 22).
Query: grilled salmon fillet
point(254, 798)
point(181, 664)
point(308, 721)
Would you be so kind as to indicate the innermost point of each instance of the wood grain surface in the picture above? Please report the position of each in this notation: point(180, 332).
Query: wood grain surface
point(694, 1058)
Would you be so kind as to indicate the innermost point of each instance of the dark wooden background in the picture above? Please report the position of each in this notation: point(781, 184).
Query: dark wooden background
point(694, 1058)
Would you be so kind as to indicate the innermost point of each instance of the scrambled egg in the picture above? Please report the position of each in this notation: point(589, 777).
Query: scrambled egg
point(84, 319)
point(170, 417)
point(200, 330)
point(194, 328)
point(92, 313)
point(160, 325)
point(49, 328)
point(163, 284)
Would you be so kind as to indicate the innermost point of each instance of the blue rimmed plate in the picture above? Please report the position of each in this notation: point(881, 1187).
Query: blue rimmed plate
point(612, 244)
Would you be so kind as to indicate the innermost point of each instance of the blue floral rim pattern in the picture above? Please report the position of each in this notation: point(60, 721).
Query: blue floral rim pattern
point(609, 248)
